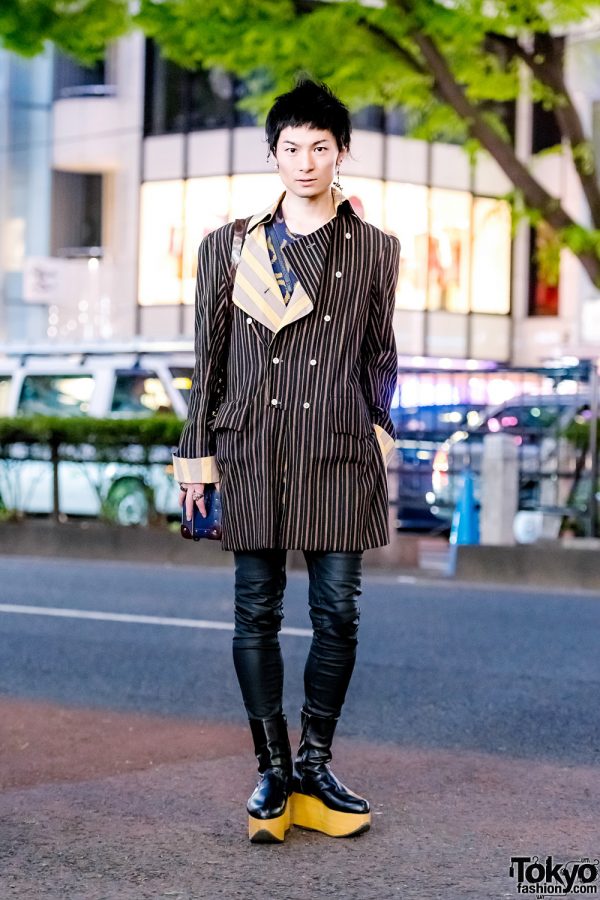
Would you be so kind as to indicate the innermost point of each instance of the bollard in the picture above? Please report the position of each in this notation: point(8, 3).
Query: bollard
point(499, 489)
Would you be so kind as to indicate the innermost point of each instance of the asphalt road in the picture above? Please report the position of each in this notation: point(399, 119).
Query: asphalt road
point(471, 723)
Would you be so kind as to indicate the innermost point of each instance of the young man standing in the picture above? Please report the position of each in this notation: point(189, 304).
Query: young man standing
point(290, 412)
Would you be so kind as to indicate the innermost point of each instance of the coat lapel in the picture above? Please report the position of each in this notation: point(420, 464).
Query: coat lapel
point(255, 288)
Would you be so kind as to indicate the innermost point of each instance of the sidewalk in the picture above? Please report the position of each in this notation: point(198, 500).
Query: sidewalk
point(110, 805)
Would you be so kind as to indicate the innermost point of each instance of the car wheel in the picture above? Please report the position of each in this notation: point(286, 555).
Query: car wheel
point(128, 502)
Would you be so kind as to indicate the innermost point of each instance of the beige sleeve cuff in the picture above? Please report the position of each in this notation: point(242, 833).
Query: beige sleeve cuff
point(203, 470)
point(387, 444)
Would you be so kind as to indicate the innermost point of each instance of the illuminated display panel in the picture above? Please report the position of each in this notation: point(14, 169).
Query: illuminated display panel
point(161, 242)
point(206, 208)
point(449, 250)
point(491, 256)
point(406, 216)
point(251, 194)
point(366, 197)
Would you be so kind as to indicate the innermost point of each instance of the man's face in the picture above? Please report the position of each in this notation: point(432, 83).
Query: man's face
point(307, 159)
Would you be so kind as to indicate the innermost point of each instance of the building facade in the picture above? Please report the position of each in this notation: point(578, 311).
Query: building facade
point(111, 176)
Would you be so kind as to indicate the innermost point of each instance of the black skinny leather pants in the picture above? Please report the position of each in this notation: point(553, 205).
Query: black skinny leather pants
point(260, 580)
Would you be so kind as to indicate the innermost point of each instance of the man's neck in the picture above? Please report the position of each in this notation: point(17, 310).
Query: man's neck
point(306, 214)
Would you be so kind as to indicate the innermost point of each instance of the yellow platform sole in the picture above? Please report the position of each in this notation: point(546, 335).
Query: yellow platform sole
point(270, 831)
point(308, 812)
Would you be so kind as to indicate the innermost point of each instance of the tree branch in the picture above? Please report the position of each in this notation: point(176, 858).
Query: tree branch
point(546, 64)
point(534, 194)
point(394, 46)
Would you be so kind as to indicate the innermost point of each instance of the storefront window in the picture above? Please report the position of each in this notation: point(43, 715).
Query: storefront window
point(406, 216)
point(206, 208)
point(491, 254)
point(252, 193)
point(366, 196)
point(455, 256)
point(161, 242)
point(448, 250)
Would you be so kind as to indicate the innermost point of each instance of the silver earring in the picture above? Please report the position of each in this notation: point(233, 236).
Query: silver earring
point(336, 183)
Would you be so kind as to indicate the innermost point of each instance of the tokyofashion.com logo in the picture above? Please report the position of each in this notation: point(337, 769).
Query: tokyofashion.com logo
point(546, 878)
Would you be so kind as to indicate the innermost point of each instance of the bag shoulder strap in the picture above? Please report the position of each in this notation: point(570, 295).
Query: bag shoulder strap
point(240, 227)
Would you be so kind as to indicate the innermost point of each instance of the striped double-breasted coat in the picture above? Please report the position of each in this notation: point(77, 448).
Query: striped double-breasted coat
point(290, 405)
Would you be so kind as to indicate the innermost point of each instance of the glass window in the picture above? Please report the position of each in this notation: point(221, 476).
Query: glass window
point(182, 380)
point(370, 118)
point(180, 100)
point(76, 211)
point(69, 74)
point(543, 294)
point(4, 392)
point(139, 393)
point(56, 395)
point(211, 100)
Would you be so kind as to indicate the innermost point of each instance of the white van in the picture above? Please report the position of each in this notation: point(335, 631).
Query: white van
point(102, 381)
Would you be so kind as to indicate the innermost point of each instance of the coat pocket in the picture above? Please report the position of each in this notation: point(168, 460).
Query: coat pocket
point(232, 414)
point(349, 415)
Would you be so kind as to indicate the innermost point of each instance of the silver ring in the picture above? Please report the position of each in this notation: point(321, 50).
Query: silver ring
point(197, 496)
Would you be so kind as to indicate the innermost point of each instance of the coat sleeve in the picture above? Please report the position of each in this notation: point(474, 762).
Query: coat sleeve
point(194, 459)
point(379, 356)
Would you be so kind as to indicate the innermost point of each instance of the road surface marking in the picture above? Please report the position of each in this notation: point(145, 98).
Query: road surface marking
point(135, 619)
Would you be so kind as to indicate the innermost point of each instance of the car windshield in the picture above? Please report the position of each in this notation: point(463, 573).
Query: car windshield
point(523, 419)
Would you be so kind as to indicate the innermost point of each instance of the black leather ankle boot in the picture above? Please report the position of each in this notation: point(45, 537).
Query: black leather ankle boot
point(268, 807)
point(320, 801)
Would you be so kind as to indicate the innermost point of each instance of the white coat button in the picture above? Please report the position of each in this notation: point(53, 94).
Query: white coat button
point(249, 320)
point(306, 405)
point(327, 318)
point(338, 274)
point(274, 402)
point(275, 359)
point(313, 362)
point(348, 235)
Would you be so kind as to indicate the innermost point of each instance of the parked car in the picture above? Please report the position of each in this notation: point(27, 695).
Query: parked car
point(420, 430)
point(97, 382)
point(547, 461)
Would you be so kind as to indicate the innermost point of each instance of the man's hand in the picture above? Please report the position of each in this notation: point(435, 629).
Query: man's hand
point(186, 495)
